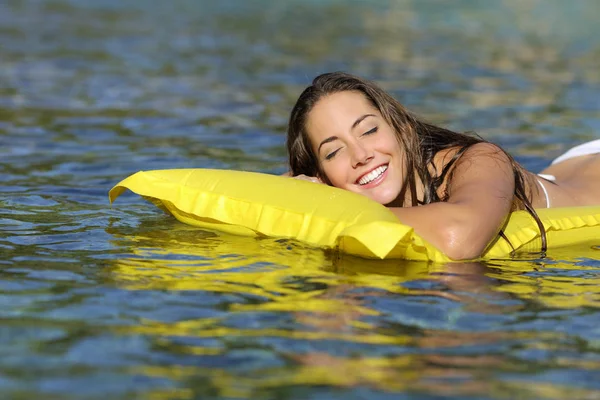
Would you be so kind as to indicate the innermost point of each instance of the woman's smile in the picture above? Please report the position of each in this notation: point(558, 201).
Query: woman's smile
point(373, 177)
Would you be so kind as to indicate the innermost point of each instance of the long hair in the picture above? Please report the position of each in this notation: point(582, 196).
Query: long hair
point(421, 142)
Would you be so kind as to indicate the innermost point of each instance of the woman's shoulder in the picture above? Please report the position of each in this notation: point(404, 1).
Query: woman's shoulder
point(462, 164)
point(461, 154)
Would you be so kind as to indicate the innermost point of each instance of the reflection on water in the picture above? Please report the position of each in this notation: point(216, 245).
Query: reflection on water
point(125, 302)
point(310, 318)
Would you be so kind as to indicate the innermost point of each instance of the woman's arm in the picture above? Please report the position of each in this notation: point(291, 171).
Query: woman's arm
point(481, 191)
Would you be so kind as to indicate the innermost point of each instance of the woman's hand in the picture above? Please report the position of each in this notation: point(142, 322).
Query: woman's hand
point(313, 179)
point(303, 177)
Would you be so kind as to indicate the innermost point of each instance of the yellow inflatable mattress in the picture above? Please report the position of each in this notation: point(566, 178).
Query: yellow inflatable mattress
point(255, 204)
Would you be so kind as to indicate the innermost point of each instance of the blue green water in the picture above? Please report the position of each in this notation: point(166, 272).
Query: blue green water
point(125, 302)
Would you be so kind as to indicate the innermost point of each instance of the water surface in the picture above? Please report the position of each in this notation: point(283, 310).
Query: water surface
point(125, 302)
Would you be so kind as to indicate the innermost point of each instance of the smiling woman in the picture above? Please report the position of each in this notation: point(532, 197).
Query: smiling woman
point(456, 190)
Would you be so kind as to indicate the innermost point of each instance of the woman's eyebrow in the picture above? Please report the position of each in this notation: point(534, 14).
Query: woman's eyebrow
point(328, 140)
point(360, 119)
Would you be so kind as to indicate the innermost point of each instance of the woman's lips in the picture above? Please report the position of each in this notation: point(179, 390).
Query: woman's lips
point(375, 181)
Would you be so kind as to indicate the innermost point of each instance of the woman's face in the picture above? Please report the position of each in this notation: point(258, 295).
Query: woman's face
point(356, 148)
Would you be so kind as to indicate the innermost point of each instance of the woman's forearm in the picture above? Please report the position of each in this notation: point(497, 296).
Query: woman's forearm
point(454, 229)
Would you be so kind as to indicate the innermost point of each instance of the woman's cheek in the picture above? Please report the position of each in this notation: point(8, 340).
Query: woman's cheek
point(335, 172)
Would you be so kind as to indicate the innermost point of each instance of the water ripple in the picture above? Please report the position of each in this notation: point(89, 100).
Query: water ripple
point(125, 302)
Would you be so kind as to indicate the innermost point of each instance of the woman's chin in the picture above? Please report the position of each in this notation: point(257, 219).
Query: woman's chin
point(387, 199)
point(384, 197)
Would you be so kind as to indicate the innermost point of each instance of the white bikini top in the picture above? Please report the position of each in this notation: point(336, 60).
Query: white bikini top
point(548, 178)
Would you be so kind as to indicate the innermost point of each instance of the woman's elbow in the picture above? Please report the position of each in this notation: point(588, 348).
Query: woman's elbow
point(461, 242)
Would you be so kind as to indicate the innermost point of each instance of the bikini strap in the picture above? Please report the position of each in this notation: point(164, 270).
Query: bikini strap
point(545, 193)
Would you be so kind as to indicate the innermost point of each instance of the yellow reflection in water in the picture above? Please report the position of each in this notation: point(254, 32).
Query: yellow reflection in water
point(325, 293)
point(278, 270)
point(570, 280)
point(434, 374)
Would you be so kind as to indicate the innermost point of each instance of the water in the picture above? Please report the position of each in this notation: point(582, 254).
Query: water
point(125, 302)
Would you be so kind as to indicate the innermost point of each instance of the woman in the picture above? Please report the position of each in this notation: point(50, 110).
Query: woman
point(347, 132)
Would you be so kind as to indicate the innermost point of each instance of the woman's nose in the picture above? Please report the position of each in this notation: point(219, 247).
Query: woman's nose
point(360, 155)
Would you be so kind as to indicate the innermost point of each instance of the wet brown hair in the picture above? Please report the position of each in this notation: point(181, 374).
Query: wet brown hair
point(420, 140)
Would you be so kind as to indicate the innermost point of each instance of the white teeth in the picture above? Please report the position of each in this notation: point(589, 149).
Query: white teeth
point(371, 176)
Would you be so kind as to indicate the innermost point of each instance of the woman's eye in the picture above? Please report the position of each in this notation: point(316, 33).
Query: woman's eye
point(369, 132)
point(331, 155)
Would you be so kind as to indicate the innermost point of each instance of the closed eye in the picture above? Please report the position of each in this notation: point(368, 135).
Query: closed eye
point(332, 154)
point(369, 132)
